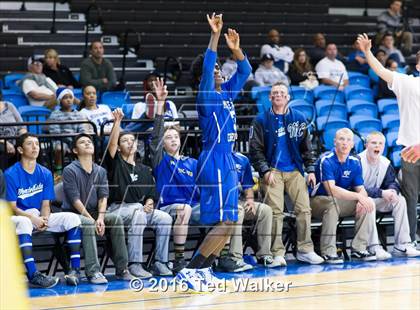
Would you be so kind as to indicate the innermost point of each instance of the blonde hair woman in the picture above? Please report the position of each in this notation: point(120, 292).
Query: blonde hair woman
point(56, 71)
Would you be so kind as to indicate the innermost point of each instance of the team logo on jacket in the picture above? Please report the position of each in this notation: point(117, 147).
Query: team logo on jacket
point(24, 193)
point(296, 129)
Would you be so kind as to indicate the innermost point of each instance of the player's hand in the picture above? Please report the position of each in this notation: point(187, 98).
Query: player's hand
point(311, 180)
point(367, 203)
point(360, 209)
point(10, 148)
point(39, 223)
point(411, 154)
point(215, 22)
point(100, 226)
point(269, 178)
point(365, 44)
point(118, 115)
point(232, 39)
point(249, 206)
point(161, 90)
point(148, 206)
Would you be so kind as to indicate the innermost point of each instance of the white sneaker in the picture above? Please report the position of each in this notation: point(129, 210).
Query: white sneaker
point(381, 254)
point(311, 258)
point(278, 261)
point(405, 250)
point(208, 276)
point(190, 278)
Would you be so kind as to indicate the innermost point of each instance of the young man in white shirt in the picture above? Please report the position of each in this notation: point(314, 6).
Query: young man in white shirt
point(38, 89)
point(330, 70)
point(283, 54)
point(407, 89)
point(382, 186)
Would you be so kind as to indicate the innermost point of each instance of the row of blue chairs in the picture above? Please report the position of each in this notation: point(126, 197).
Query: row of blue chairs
point(114, 99)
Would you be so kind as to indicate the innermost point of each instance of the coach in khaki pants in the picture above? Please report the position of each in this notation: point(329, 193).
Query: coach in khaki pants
point(279, 147)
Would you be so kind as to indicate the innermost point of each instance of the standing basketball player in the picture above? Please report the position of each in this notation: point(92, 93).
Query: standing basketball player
point(216, 173)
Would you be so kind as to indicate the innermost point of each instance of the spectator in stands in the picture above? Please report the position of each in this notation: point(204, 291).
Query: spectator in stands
point(175, 177)
point(391, 51)
point(99, 114)
point(97, 70)
point(383, 89)
point(56, 71)
point(231, 257)
point(301, 71)
point(357, 60)
point(279, 148)
point(330, 70)
point(317, 52)
point(195, 71)
point(133, 198)
point(9, 114)
point(37, 87)
point(86, 192)
point(65, 97)
point(407, 91)
point(283, 54)
point(391, 21)
point(267, 74)
point(30, 188)
point(380, 55)
point(381, 184)
point(341, 193)
point(147, 109)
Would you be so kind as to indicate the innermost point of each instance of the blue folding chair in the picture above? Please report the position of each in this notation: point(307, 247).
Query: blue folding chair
point(331, 94)
point(396, 159)
point(304, 107)
point(322, 121)
point(297, 92)
point(362, 107)
point(128, 110)
point(338, 110)
point(391, 138)
point(78, 93)
point(388, 106)
point(10, 80)
point(356, 78)
point(256, 89)
point(34, 114)
point(390, 121)
point(358, 92)
point(365, 124)
point(115, 99)
point(359, 144)
point(18, 100)
point(263, 100)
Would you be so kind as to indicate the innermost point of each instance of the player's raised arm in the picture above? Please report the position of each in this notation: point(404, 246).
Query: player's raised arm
point(216, 25)
point(365, 45)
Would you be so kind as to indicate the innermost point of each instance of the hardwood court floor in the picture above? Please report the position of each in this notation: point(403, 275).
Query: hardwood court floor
point(390, 285)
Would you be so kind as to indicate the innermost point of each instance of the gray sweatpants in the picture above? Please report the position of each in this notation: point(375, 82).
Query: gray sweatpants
point(137, 220)
point(410, 187)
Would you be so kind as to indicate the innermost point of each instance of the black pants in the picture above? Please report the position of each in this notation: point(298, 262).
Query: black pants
point(410, 187)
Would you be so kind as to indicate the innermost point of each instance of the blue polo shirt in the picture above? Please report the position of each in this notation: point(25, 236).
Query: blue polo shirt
point(283, 159)
point(346, 175)
point(26, 189)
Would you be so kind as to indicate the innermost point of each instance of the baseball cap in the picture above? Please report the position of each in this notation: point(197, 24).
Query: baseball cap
point(267, 57)
point(33, 59)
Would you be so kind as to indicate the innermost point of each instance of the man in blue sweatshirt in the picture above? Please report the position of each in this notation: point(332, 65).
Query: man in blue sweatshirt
point(280, 147)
